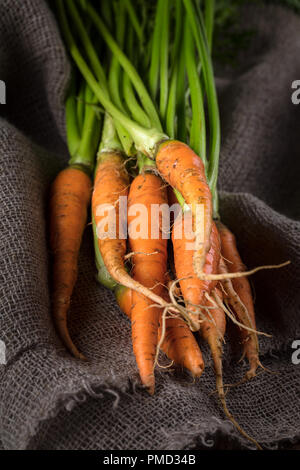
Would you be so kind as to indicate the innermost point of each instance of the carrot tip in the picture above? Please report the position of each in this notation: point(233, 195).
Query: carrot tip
point(82, 357)
point(77, 354)
point(66, 339)
point(149, 384)
point(198, 370)
point(151, 390)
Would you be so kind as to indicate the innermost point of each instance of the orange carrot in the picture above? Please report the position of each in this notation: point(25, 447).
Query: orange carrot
point(70, 197)
point(240, 298)
point(149, 268)
point(111, 182)
point(184, 171)
point(179, 343)
point(181, 346)
point(193, 289)
point(124, 298)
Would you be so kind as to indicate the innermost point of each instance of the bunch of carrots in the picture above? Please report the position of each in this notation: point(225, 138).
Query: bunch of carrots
point(143, 124)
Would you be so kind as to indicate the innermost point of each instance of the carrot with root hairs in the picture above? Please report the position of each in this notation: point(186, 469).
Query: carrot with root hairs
point(213, 331)
point(179, 343)
point(240, 298)
point(149, 268)
point(193, 289)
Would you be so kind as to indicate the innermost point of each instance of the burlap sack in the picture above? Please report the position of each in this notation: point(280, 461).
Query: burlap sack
point(48, 400)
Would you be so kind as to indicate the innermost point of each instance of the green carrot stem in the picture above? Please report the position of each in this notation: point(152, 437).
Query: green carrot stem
point(164, 59)
point(114, 84)
point(114, 78)
point(155, 51)
point(178, 32)
point(80, 105)
point(125, 138)
point(144, 163)
point(197, 25)
point(86, 152)
point(131, 101)
point(198, 128)
point(87, 44)
point(181, 100)
point(171, 108)
point(127, 66)
point(115, 68)
point(92, 106)
point(81, 143)
point(72, 128)
point(209, 12)
point(109, 139)
point(146, 140)
point(134, 20)
point(133, 105)
point(99, 71)
point(180, 199)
